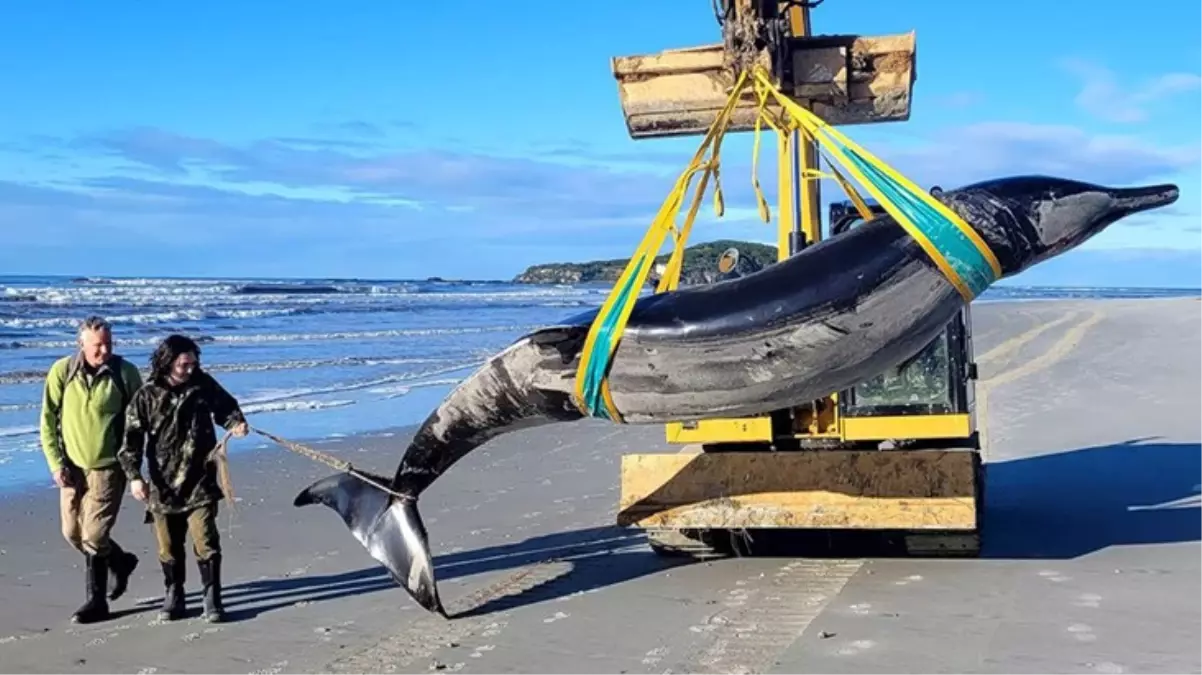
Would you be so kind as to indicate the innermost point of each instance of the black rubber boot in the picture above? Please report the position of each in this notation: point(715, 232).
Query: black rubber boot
point(97, 607)
point(210, 576)
point(173, 595)
point(121, 566)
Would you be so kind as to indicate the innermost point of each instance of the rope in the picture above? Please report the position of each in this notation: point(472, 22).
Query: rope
point(330, 461)
point(220, 456)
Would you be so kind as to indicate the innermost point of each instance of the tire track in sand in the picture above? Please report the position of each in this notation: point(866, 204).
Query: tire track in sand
point(1016, 342)
point(1059, 350)
point(760, 623)
point(419, 639)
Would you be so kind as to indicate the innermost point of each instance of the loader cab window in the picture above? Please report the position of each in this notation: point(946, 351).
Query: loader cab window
point(923, 383)
point(931, 382)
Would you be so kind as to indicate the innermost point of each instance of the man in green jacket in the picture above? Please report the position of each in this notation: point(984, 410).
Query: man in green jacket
point(83, 416)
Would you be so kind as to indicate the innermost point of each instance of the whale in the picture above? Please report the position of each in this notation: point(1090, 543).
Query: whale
point(827, 318)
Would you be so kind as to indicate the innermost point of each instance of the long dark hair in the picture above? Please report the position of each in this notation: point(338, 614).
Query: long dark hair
point(168, 350)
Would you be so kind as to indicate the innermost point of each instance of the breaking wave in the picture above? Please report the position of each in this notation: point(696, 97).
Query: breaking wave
point(290, 406)
point(236, 338)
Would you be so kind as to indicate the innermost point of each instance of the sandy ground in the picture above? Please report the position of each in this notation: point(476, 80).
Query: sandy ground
point(1091, 562)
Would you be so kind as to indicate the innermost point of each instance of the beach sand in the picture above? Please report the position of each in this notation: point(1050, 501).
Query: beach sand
point(1091, 559)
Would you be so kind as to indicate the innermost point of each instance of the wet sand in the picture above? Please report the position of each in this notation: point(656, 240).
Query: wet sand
point(1091, 558)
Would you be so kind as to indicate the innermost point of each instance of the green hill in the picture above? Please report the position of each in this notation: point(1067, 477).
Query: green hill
point(700, 265)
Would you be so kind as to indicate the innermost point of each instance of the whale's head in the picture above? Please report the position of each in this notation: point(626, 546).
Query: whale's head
point(1028, 219)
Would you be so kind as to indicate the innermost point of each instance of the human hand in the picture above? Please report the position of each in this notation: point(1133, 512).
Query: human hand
point(240, 430)
point(62, 478)
point(137, 488)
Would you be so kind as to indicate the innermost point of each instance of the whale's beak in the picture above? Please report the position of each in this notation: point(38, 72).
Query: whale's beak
point(1134, 200)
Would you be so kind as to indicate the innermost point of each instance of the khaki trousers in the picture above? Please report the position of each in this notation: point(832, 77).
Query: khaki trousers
point(89, 509)
point(170, 530)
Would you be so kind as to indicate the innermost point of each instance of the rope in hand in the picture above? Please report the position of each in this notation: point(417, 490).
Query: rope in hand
point(220, 456)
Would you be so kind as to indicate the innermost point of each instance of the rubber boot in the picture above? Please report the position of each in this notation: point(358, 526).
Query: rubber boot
point(97, 607)
point(210, 576)
point(173, 595)
point(121, 566)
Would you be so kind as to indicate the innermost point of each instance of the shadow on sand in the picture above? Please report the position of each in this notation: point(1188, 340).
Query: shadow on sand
point(1070, 504)
point(1061, 506)
point(598, 557)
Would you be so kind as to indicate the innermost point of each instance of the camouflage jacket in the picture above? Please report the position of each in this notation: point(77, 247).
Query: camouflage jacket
point(173, 428)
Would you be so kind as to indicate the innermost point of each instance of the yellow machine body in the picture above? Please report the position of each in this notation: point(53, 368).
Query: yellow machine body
point(825, 464)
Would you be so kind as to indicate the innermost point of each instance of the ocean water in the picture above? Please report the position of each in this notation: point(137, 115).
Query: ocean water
point(307, 359)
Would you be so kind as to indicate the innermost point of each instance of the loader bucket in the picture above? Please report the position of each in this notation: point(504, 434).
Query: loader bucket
point(844, 79)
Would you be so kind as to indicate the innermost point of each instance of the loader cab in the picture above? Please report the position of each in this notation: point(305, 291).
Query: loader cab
point(933, 387)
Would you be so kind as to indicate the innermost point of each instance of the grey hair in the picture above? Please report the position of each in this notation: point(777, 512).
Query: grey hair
point(94, 323)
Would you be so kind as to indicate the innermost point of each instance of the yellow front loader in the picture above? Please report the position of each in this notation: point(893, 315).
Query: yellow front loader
point(898, 454)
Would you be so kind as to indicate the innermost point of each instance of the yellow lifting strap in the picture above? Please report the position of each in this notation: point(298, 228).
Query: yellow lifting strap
point(592, 386)
point(956, 249)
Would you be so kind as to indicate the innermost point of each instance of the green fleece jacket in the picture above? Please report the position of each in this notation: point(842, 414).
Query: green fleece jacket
point(83, 418)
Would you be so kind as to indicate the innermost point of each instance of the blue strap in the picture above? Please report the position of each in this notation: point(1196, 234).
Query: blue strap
point(960, 252)
point(599, 358)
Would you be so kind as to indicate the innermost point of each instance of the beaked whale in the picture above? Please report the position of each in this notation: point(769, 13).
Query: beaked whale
point(832, 316)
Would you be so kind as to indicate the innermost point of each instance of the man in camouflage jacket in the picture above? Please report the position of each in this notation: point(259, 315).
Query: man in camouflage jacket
point(170, 421)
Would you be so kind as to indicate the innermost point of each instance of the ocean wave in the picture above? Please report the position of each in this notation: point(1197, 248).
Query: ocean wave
point(149, 317)
point(145, 311)
point(24, 438)
point(14, 446)
point(156, 311)
point(284, 337)
point(37, 376)
point(13, 432)
point(141, 281)
point(343, 387)
point(150, 314)
point(293, 406)
point(22, 377)
point(284, 289)
point(241, 292)
point(14, 407)
point(396, 390)
point(365, 334)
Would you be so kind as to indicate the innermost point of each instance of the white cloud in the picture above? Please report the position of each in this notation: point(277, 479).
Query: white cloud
point(989, 149)
point(1101, 94)
point(299, 202)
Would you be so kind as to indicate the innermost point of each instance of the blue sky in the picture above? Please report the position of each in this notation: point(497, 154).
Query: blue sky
point(471, 139)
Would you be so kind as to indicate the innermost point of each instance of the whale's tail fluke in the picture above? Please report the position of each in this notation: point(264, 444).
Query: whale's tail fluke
point(390, 528)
